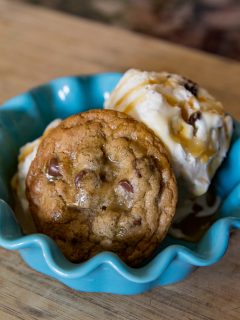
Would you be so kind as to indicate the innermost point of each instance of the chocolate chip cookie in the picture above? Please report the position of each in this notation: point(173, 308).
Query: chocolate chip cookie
point(101, 181)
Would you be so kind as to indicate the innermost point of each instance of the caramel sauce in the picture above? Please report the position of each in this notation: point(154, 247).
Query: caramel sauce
point(25, 153)
point(194, 146)
point(191, 102)
point(213, 109)
point(209, 105)
point(168, 83)
point(133, 104)
point(184, 111)
point(134, 89)
point(170, 100)
point(202, 99)
point(119, 87)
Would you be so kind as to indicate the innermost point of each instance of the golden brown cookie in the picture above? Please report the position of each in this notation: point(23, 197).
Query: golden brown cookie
point(101, 181)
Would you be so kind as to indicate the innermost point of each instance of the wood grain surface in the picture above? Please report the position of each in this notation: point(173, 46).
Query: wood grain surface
point(37, 45)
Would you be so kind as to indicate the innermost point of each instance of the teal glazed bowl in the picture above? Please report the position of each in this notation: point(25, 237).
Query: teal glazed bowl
point(23, 119)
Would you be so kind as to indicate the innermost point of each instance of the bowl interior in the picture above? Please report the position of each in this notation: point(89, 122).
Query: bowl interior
point(23, 119)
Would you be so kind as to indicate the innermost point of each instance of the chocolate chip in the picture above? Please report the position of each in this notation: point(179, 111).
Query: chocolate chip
point(103, 177)
point(194, 117)
point(135, 165)
point(79, 177)
point(74, 241)
point(197, 208)
point(191, 87)
point(137, 222)
point(211, 198)
point(54, 168)
point(152, 164)
point(138, 173)
point(104, 208)
point(126, 185)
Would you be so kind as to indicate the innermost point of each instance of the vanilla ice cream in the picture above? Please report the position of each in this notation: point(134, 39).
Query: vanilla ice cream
point(26, 156)
point(189, 121)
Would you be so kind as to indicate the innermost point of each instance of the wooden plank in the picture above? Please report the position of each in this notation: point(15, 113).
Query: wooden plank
point(37, 45)
point(210, 293)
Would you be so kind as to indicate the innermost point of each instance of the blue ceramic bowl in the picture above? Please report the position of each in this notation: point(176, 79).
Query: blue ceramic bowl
point(23, 119)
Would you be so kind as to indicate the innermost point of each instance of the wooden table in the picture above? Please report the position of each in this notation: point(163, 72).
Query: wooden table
point(37, 45)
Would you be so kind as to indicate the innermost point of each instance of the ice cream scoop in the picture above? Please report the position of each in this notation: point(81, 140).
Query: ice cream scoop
point(191, 123)
point(26, 156)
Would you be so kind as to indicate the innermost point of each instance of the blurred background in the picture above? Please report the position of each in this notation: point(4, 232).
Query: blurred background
point(208, 25)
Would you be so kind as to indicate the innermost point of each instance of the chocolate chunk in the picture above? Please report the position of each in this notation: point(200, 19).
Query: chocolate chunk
point(104, 208)
point(194, 117)
point(54, 168)
point(191, 87)
point(79, 177)
point(126, 185)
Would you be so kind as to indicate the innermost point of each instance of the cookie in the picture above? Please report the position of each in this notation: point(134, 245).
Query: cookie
point(102, 181)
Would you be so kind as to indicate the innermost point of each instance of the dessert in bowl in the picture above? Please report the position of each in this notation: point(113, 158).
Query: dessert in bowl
point(194, 128)
point(173, 259)
point(102, 181)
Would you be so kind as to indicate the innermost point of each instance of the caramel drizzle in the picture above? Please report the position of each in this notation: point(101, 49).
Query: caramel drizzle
point(170, 100)
point(194, 146)
point(119, 87)
point(25, 153)
point(133, 104)
point(134, 89)
point(209, 105)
